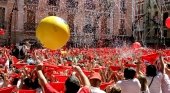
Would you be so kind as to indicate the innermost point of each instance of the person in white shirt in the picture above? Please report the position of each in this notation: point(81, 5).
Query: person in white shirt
point(165, 84)
point(95, 81)
point(166, 80)
point(130, 84)
point(154, 77)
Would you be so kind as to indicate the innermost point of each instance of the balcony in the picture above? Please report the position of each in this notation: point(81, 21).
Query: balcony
point(90, 6)
point(122, 31)
point(31, 7)
point(53, 8)
point(29, 26)
point(71, 4)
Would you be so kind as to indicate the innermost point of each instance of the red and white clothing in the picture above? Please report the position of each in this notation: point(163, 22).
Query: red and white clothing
point(129, 86)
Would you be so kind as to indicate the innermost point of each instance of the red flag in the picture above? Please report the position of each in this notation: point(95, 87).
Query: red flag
point(20, 65)
point(6, 90)
point(14, 59)
point(150, 58)
point(104, 85)
point(115, 68)
point(60, 78)
point(59, 86)
point(96, 69)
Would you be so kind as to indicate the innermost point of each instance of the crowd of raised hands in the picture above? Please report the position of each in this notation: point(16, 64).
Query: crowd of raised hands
point(98, 70)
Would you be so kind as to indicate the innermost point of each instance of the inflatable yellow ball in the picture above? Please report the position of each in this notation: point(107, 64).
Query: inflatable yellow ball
point(53, 32)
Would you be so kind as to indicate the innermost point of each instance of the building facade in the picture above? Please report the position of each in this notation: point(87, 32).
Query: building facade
point(150, 19)
point(90, 21)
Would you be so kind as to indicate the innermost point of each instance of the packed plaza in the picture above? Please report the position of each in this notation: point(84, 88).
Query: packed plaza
point(84, 46)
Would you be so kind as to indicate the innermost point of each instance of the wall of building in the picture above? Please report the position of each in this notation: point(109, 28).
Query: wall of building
point(107, 23)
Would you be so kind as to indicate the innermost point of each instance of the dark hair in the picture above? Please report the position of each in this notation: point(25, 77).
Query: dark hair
point(35, 84)
point(72, 84)
point(168, 66)
point(28, 82)
point(15, 80)
point(129, 73)
point(151, 70)
point(115, 90)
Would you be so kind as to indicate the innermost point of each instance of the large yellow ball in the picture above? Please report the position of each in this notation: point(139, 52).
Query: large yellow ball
point(53, 32)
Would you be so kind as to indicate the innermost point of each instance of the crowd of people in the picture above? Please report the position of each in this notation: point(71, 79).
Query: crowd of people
point(82, 70)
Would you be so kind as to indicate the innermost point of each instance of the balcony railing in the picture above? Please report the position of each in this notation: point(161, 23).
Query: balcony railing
point(31, 7)
point(31, 1)
point(71, 4)
point(29, 26)
point(53, 8)
point(90, 6)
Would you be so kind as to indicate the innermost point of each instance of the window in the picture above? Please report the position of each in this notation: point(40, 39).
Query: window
point(89, 4)
point(30, 16)
point(138, 9)
point(165, 16)
point(30, 24)
point(122, 3)
point(157, 32)
point(71, 4)
point(54, 2)
point(122, 23)
point(105, 5)
point(165, 33)
point(88, 28)
point(104, 24)
point(123, 7)
point(122, 31)
point(142, 9)
point(2, 17)
point(70, 20)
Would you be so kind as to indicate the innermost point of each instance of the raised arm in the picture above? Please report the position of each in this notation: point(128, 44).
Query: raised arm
point(162, 64)
point(84, 78)
point(40, 74)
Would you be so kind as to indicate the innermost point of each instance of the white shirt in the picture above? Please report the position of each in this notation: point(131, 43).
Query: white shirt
point(165, 84)
point(129, 86)
point(96, 90)
point(156, 83)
